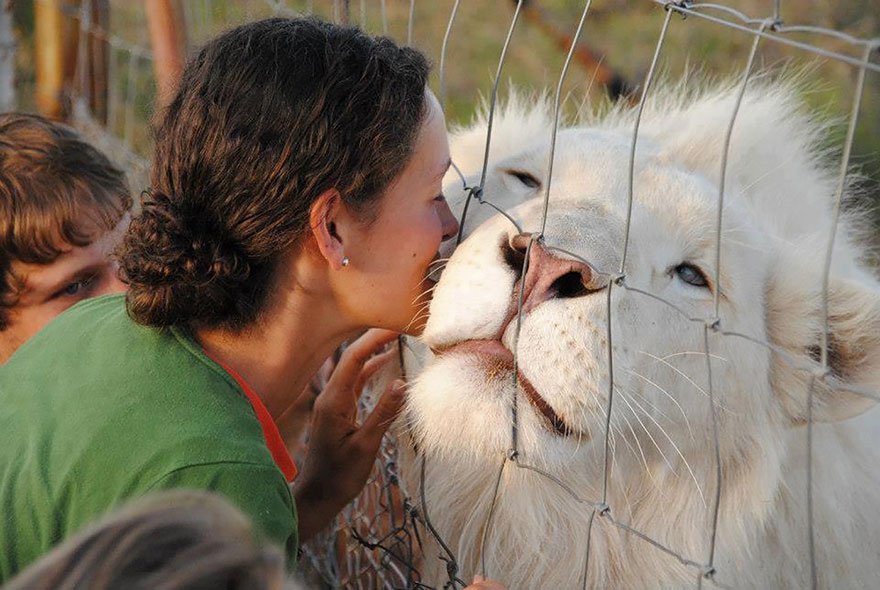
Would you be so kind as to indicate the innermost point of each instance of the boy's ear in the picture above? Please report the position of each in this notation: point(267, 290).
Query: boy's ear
point(323, 224)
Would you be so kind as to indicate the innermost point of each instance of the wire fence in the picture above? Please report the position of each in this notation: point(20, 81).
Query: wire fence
point(770, 28)
point(379, 540)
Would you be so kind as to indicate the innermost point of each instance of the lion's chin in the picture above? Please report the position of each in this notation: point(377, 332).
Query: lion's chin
point(499, 364)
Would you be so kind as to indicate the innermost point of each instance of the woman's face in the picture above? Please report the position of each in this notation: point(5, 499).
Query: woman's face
point(390, 261)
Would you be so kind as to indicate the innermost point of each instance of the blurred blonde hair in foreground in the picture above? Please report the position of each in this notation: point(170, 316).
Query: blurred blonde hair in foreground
point(175, 540)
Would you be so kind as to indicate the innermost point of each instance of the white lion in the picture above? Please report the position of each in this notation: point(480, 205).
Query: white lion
point(777, 221)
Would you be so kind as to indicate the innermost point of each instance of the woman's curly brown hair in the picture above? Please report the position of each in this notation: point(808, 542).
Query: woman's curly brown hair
point(267, 117)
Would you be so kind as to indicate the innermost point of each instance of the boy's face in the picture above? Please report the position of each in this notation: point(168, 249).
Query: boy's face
point(48, 289)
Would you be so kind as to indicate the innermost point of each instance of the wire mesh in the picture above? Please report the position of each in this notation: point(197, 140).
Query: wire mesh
point(379, 540)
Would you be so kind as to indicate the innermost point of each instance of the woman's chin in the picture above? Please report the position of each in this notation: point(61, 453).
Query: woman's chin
point(417, 328)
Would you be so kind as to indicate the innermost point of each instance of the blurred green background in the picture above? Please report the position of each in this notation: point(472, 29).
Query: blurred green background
point(621, 34)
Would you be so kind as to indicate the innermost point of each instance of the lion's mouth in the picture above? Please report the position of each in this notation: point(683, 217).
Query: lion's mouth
point(499, 363)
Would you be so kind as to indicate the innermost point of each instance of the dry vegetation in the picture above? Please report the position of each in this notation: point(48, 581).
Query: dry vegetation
point(623, 33)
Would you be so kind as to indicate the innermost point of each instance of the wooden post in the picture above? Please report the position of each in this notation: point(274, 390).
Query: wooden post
point(49, 45)
point(97, 57)
point(7, 58)
point(169, 43)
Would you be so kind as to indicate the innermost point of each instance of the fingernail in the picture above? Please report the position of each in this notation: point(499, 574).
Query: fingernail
point(478, 578)
point(399, 385)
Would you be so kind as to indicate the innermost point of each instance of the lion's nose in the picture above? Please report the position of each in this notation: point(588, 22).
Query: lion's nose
point(548, 276)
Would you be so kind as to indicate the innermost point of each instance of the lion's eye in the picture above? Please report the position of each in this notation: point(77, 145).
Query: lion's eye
point(524, 177)
point(691, 275)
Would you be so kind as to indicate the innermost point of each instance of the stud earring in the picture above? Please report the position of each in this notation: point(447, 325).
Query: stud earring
point(345, 261)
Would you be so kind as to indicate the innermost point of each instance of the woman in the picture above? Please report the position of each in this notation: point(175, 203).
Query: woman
point(295, 201)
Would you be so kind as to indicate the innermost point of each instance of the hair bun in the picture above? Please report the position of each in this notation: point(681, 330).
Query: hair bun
point(180, 267)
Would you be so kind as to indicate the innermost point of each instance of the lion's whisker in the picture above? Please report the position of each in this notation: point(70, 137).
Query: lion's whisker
point(641, 453)
point(418, 317)
point(685, 376)
point(677, 450)
point(652, 406)
point(422, 294)
point(667, 394)
point(697, 352)
point(624, 397)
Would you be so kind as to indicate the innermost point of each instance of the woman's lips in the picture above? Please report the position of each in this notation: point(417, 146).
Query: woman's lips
point(500, 361)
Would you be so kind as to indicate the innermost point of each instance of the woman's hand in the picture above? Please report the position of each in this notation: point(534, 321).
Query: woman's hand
point(341, 453)
point(295, 419)
point(480, 584)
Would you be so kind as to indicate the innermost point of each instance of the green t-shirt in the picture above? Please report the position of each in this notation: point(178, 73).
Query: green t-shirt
point(96, 409)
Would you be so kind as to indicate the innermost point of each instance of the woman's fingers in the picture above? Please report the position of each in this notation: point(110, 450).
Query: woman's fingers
point(376, 424)
point(353, 358)
point(480, 583)
point(371, 367)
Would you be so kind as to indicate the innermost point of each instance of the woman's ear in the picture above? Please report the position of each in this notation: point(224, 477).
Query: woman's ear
point(323, 223)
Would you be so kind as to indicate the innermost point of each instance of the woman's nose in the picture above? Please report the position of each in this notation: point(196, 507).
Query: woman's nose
point(450, 223)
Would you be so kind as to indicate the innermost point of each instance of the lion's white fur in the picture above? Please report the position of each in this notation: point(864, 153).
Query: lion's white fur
point(777, 221)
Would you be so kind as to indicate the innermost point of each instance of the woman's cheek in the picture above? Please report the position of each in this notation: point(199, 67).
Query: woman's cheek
point(424, 240)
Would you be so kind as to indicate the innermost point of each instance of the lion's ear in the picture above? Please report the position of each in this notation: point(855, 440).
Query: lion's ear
point(794, 321)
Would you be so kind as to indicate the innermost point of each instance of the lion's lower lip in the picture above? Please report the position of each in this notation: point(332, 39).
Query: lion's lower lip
point(500, 360)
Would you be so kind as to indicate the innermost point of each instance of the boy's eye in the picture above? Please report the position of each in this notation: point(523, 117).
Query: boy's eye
point(73, 288)
point(440, 198)
point(76, 287)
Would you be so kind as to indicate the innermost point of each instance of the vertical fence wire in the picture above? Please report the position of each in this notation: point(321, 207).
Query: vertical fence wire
point(514, 453)
point(409, 22)
point(492, 106)
point(493, 99)
point(443, 49)
point(725, 153)
point(714, 322)
point(557, 102)
point(608, 300)
point(826, 276)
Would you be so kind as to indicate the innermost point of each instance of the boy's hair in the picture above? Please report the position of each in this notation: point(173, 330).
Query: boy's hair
point(174, 540)
point(56, 191)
